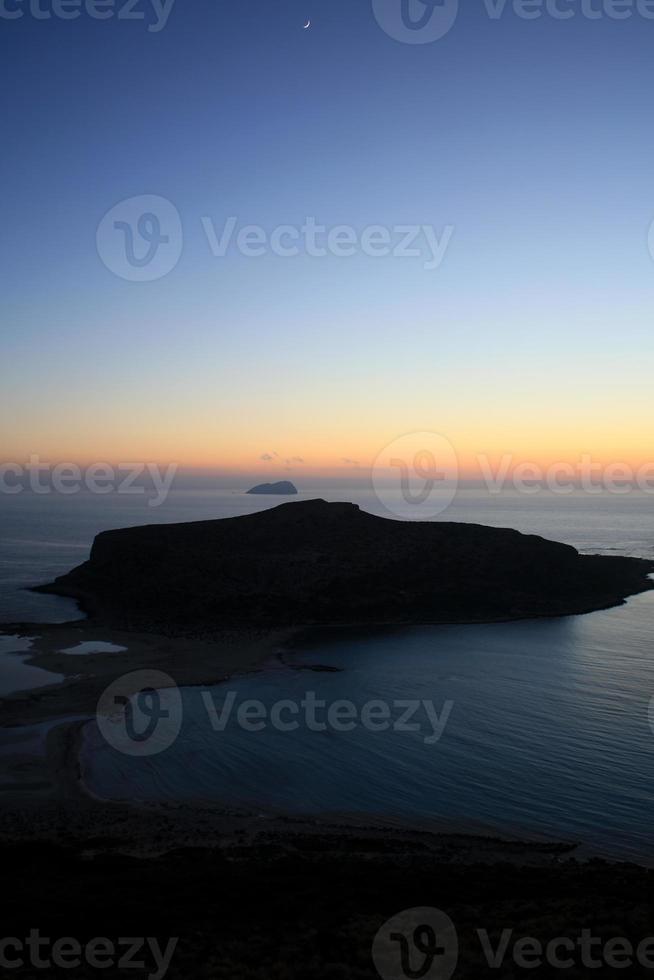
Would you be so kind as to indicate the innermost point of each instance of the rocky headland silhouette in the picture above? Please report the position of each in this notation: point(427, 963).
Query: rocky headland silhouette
point(283, 488)
point(317, 563)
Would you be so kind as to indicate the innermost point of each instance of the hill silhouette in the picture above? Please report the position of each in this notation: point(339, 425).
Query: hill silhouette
point(282, 488)
point(313, 562)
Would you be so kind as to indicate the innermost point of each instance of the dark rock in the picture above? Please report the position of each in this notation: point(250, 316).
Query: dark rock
point(284, 488)
point(313, 562)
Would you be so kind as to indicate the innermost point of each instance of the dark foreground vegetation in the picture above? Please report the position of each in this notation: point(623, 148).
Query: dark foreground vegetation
point(308, 906)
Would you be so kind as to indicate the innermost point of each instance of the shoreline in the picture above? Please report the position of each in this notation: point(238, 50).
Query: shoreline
point(198, 662)
point(313, 563)
point(72, 815)
point(190, 662)
point(69, 814)
point(137, 855)
point(206, 659)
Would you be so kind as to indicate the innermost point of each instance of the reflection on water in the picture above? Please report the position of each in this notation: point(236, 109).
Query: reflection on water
point(548, 733)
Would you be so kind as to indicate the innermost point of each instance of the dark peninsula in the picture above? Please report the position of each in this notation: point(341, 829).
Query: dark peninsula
point(314, 563)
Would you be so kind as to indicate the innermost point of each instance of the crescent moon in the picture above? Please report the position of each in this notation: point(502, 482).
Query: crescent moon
point(307, 25)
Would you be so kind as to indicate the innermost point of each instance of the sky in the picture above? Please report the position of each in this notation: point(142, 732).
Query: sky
point(525, 147)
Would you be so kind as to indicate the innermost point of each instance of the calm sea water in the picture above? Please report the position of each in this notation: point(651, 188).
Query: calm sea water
point(548, 733)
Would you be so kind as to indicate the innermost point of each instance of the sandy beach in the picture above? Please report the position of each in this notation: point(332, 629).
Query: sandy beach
point(40, 726)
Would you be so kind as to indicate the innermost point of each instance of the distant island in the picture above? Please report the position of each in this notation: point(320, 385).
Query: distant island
point(284, 488)
point(315, 563)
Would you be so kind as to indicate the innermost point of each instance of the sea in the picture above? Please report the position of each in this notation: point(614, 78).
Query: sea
point(540, 729)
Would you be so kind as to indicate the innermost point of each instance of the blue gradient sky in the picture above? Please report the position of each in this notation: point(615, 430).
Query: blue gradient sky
point(534, 139)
